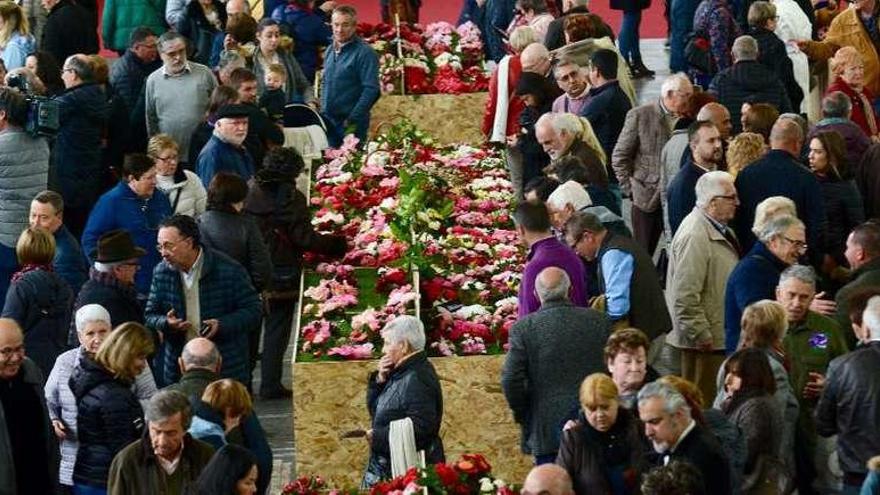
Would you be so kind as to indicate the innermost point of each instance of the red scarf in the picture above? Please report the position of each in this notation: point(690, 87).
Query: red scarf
point(30, 267)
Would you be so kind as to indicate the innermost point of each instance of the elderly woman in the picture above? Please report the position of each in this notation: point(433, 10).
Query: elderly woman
point(184, 189)
point(843, 202)
point(109, 416)
point(38, 299)
point(225, 415)
point(297, 89)
point(762, 21)
point(848, 66)
point(404, 386)
point(626, 354)
point(602, 451)
point(92, 328)
point(136, 206)
point(745, 148)
point(16, 41)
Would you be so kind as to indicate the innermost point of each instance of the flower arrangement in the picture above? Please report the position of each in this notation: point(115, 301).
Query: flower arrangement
point(439, 58)
point(471, 474)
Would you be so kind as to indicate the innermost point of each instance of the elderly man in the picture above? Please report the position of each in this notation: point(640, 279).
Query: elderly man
point(564, 201)
point(28, 452)
point(533, 226)
point(351, 79)
point(863, 255)
point(128, 76)
point(848, 406)
point(779, 173)
point(562, 134)
point(225, 151)
point(177, 94)
point(811, 343)
point(200, 365)
point(263, 132)
point(47, 212)
point(706, 154)
point(701, 256)
point(167, 459)
point(607, 103)
point(547, 479)
point(627, 277)
point(676, 436)
point(551, 351)
point(636, 157)
point(197, 291)
point(746, 81)
point(782, 241)
point(573, 81)
point(83, 113)
point(836, 111)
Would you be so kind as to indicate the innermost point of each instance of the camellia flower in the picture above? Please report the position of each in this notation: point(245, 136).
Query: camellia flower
point(363, 351)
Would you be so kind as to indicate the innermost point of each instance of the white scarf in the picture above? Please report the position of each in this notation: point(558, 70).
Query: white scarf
point(502, 102)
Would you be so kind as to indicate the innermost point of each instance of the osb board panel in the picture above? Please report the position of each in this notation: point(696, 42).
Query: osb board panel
point(330, 397)
point(448, 118)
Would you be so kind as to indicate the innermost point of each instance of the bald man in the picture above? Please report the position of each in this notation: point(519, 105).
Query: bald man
point(28, 453)
point(547, 479)
point(719, 115)
point(200, 364)
point(536, 59)
point(779, 173)
point(551, 351)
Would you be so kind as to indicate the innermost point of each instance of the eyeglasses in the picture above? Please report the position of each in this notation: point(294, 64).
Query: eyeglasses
point(7, 352)
point(169, 247)
point(799, 245)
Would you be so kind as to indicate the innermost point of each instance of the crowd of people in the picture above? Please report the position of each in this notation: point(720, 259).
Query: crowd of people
point(699, 310)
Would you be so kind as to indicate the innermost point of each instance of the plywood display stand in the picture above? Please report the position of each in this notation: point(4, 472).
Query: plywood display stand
point(448, 118)
point(330, 398)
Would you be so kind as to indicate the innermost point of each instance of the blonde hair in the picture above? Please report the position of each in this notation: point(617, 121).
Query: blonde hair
point(845, 57)
point(522, 37)
point(597, 388)
point(229, 397)
point(160, 143)
point(770, 208)
point(278, 70)
point(123, 346)
point(744, 149)
point(35, 246)
point(760, 12)
point(763, 324)
point(14, 20)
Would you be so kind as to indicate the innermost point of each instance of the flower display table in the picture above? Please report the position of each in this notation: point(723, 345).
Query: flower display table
point(330, 398)
point(450, 118)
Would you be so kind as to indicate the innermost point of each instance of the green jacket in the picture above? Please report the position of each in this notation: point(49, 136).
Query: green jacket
point(136, 470)
point(122, 16)
point(865, 276)
point(810, 346)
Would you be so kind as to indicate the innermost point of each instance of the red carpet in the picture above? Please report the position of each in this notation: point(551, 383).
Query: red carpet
point(653, 22)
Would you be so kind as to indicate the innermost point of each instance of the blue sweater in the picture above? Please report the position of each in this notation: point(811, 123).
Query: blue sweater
point(351, 82)
point(681, 195)
point(308, 31)
point(121, 208)
point(225, 294)
point(755, 277)
point(220, 156)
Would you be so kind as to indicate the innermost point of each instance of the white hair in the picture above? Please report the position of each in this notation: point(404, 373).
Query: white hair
point(676, 82)
point(778, 226)
point(552, 292)
point(570, 193)
point(91, 313)
point(711, 185)
point(578, 127)
point(744, 48)
point(106, 267)
point(672, 398)
point(405, 328)
point(871, 318)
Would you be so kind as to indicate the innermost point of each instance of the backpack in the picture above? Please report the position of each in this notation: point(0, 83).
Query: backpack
point(698, 52)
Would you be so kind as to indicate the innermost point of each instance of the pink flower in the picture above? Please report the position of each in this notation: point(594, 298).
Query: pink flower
point(363, 351)
point(367, 320)
point(401, 296)
point(316, 332)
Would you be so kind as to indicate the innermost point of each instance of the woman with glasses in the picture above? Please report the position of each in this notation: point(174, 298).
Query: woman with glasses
point(136, 206)
point(183, 187)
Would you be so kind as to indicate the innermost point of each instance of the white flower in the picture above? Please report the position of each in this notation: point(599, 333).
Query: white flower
point(486, 486)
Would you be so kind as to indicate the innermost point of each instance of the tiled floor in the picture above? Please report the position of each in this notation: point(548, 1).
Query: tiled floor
point(277, 416)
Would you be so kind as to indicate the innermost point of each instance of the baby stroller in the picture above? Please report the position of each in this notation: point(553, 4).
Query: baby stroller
point(306, 132)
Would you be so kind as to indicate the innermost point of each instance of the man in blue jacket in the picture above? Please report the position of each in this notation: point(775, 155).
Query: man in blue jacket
point(351, 79)
point(706, 155)
point(225, 151)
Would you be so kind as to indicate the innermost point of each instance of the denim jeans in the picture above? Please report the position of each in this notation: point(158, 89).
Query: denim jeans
point(628, 39)
point(682, 23)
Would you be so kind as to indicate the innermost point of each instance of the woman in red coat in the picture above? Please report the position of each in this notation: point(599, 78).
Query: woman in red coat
point(848, 66)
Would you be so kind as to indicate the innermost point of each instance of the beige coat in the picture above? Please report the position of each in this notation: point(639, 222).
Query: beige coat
point(847, 30)
point(700, 260)
point(636, 157)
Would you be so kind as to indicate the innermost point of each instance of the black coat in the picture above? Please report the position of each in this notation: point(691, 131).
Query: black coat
point(119, 300)
point(195, 26)
point(867, 175)
point(108, 418)
point(606, 110)
point(555, 37)
point(701, 449)
point(40, 302)
point(128, 76)
point(70, 29)
point(238, 235)
point(630, 5)
point(748, 81)
point(843, 212)
point(772, 54)
point(413, 391)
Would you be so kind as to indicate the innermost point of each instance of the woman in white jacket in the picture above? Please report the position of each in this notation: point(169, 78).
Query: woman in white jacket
point(792, 25)
point(184, 189)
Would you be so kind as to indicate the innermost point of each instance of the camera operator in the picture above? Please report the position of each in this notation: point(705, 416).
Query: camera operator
point(24, 166)
point(83, 112)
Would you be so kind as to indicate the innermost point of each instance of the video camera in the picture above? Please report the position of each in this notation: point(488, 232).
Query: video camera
point(42, 112)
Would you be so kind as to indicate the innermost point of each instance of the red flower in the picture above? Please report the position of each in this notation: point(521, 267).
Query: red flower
point(448, 476)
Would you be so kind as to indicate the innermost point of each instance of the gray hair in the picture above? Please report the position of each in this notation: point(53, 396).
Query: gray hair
point(803, 273)
point(564, 61)
point(558, 288)
point(871, 318)
point(778, 226)
point(165, 404)
point(80, 65)
point(168, 37)
point(836, 105)
point(744, 48)
point(711, 185)
point(406, 328)
point(566, 122)
point(672, 398)
point(675, 82)
point(797, 119)
point(769, 209)
point(91, 313)
point(229, 57)
point(205, 361)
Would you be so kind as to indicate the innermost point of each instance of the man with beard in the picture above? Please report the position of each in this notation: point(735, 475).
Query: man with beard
point(706, 154)
point(225, 151)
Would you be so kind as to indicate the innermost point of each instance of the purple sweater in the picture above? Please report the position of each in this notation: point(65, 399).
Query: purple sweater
point(551, 252)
